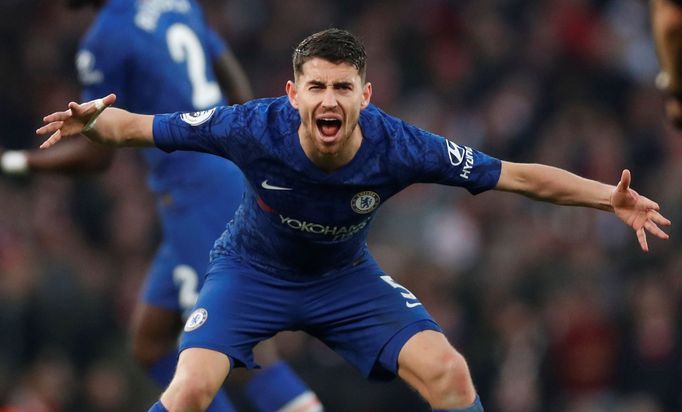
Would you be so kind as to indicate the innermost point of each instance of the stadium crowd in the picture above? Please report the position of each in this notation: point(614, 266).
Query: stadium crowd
point(556, 309)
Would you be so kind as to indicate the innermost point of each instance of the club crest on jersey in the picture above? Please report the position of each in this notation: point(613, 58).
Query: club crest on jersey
point(196, 319)
point(197, 118)
point(364, 202)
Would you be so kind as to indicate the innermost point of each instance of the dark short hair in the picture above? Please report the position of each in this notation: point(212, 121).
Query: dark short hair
point(333, 45)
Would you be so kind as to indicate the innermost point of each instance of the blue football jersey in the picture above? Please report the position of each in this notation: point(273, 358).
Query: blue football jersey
point(156, 56)
point(295, 219)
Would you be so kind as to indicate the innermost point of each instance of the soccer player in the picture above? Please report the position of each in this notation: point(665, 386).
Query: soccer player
point(319, 162)
point(666, 23)
point(161, 56)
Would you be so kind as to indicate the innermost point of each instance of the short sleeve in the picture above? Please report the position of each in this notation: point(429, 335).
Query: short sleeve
point(438, 160)
point(219, 131)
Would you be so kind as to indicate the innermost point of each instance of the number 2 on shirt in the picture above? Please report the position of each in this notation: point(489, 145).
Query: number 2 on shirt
point(184, 46)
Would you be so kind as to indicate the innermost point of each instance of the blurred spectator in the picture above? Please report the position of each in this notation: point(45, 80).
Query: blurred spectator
point(666, 22)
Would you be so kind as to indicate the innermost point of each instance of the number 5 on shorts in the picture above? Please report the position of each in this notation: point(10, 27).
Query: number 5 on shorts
point(406, 293)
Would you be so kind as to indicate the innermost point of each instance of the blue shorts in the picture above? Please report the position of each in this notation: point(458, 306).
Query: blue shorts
point(191, 221)
point(358, 311)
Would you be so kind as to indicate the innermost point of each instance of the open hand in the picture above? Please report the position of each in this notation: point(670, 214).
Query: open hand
point(639, 212)
point(76, 119)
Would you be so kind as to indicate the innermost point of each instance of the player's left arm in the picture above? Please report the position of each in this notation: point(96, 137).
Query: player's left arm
point(561, 187)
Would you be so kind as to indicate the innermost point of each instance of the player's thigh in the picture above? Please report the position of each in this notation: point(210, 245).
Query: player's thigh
point(237, 308)
point(194, 363)
point(199, 371)
point(366, 317)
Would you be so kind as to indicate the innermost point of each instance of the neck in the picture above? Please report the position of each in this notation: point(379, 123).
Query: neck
point(329, 162)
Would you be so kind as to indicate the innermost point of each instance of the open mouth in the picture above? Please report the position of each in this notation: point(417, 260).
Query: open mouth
point(328, 127)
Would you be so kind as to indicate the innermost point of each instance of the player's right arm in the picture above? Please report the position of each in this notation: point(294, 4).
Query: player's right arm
point(111, 127)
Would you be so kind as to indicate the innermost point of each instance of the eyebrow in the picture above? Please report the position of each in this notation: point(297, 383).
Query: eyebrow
point(335, 84)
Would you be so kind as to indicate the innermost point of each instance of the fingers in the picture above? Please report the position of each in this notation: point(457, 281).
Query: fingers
point(92, 107)
point(83, 109)
point(87, 108)
point(54, 138)
point(55, 129)
point(648, 204)
point(50, 127)
point(108, 100)
point(657, 218)
point(57, 116)
point(652, 228)
point(649, 223)
point(641, 237)
point(86, 112)
point(624, 183)
point(96, 106)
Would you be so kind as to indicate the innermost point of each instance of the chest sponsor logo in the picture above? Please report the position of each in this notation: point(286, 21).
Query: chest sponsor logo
point(335, 232)
point(265, 185)
point(197, 118)
point(196, 319)
point(461, 154)
point(365, 202)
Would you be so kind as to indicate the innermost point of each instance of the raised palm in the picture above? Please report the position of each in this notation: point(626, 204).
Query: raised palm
point(637, 211)
point(73, 120)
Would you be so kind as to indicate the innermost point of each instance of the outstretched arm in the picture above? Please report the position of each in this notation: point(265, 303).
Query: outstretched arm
point(558, 186)
point(111, 127)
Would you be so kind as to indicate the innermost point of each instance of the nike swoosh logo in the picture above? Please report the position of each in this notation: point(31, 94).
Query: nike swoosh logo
point(411, 305)
point(265, 185)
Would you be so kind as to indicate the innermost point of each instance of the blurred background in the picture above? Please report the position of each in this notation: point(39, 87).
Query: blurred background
point(556, 309)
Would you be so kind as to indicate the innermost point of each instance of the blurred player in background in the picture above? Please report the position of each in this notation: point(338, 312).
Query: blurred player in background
point(666, 22)
point(160, 56)
point(320, 161)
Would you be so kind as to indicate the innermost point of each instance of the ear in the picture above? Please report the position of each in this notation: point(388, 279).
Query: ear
point(366, 95)
point(291, 93)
